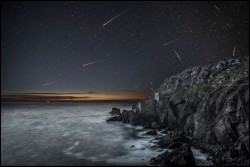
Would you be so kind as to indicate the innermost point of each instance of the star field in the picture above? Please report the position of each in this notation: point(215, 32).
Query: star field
point(45, 46)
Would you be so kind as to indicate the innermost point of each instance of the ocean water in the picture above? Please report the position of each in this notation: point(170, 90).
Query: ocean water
point(72, 134)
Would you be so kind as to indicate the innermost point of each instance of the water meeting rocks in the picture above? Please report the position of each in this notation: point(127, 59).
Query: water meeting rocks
point(181, 156)
point(208, 104)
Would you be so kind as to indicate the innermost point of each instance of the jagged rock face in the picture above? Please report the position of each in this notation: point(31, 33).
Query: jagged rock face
point(181, 156)
point(209, 103)
point(172, 140)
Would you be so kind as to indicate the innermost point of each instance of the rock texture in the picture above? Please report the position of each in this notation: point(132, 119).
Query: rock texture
point(115, 111)
point(181, 156)
point(209, 104)
point(173, 140)
point(115, 118)
point(151, 132)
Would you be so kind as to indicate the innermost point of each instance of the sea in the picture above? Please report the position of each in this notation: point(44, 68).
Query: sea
point(75, 134)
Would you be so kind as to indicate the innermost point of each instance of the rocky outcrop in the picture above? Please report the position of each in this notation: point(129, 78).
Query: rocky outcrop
point(151, 132)
point(115, 111)
point(208, 104)
point(173, 140)
point(181, 156)
point(115, 118)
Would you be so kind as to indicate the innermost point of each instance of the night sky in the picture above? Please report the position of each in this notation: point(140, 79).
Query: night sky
point(73, 47)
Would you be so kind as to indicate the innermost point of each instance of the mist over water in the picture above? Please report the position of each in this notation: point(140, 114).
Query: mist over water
point(70, 134)
point(73, 134)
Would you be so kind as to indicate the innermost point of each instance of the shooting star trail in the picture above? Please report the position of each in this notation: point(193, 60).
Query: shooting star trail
point(113, 18)
point(216, 7)
point(136, 86)
point(46, 84)
point(170, 42)
point(89, 64)
point(178, 56)
point(234, 51)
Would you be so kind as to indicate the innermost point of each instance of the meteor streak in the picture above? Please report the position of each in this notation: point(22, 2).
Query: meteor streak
point(178, 56)
point(113, 18)
point(170, 42)
point(46, 84)
point(88, 64)
point(136, 86)
point(234, 51)
point(216, 7)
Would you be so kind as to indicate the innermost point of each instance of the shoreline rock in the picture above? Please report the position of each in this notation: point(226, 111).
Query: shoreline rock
point(204, 106)
point(151, 132)
point(115, 118)
point(115, 111)
point(181, 156)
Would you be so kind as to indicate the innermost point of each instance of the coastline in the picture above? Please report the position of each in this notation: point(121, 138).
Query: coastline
point(204, 107)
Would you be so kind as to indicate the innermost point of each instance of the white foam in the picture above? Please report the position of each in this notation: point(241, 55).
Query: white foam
point(104, 155)
point(73, 146)
point(78, 155)
point(198, 155)
point(69, 151)
point(139, 150)
point(135, 157)
point(66, 134)
point(95, 159)
point(84, 133)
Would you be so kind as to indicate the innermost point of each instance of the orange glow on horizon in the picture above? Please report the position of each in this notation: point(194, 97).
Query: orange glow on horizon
point(94, 96)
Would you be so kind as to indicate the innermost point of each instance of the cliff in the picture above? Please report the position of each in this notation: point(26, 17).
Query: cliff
point(207, 103)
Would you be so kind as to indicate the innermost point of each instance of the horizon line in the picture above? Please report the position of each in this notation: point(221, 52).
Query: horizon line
point(89, 96)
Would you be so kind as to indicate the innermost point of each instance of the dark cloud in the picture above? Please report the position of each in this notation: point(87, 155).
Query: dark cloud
point(38, 98)
point(93, 92)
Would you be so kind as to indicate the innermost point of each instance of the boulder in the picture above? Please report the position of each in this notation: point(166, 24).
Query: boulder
point(151, 132)
point(115, 111)
point(115, 118)
point(154, 125)
point(173, 140)
point(175, 145)
point(181, 156)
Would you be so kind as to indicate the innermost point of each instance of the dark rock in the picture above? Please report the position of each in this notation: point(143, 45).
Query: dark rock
point(173, 140)
point(182, 156)
point(151, 132)
point(115, 118)
point(154, 147)
point(153, 161)
point(208, 104)
point(221, 155)
point(168, 139)
point(154, 125)
point(175, 145)
point(115, 111)
point(167, 130)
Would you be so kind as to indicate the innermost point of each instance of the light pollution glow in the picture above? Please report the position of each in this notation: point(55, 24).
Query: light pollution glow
point(90, 96)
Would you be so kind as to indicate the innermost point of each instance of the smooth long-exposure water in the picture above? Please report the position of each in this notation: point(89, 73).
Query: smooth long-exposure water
point(72, 134)
point(69, 134)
